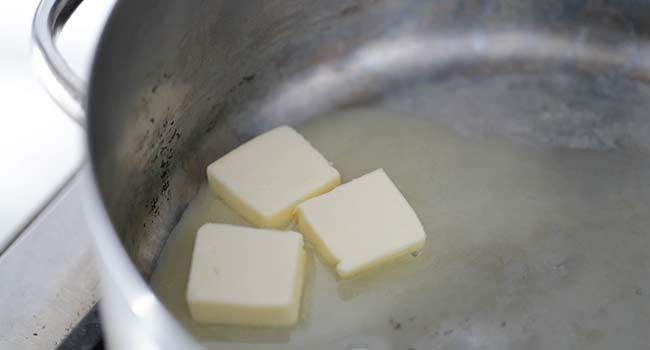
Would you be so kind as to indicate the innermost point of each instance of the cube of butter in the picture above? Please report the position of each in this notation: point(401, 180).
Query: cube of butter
point(265, 178)
point(246, 276)
point(361, 224)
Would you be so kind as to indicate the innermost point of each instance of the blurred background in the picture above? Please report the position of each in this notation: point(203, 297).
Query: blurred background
point(40, 147)
point(48, 283)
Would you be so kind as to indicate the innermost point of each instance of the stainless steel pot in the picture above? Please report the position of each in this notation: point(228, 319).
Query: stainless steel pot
point(175, 84)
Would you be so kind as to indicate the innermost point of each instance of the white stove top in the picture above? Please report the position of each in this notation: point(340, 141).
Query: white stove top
point(48, 276)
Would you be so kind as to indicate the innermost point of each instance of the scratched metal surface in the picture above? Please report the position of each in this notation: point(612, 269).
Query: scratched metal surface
point(48, 280)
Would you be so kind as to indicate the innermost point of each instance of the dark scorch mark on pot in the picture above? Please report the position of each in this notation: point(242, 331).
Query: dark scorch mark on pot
point(395, 325)
point(246, 79)
point(214, 113)
point(163, 154)
point(349, 10)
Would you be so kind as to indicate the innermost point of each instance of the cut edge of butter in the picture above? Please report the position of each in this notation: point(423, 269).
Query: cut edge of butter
point(347, 269)
point(282, 218)
point(282, 313)
point(308, 230)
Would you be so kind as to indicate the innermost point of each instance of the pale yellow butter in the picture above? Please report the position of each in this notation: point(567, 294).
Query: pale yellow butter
point(361, 224)
point(246, 276)
point(265, 178)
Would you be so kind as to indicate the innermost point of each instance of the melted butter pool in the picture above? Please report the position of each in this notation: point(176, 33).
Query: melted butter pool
point(526, 247)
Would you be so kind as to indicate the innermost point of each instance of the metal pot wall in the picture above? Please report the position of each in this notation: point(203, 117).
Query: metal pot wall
point(176, 84)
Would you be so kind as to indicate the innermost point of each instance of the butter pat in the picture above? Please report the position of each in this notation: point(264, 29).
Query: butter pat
point(246, 276)
point(265, 178)
point(361, 224)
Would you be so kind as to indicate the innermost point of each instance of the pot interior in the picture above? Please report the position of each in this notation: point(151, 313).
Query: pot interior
point(176, 85)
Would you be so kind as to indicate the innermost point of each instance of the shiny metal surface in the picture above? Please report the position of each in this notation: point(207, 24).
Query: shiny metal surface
point(176, 84)
point(126, 299)
point(60, 81)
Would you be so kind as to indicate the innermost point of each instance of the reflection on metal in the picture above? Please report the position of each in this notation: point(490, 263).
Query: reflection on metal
point(60, 81)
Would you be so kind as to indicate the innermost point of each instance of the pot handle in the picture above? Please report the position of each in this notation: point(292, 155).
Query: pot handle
point(66, 88)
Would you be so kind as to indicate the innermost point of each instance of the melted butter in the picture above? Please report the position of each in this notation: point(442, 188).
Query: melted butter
point(510, 229)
